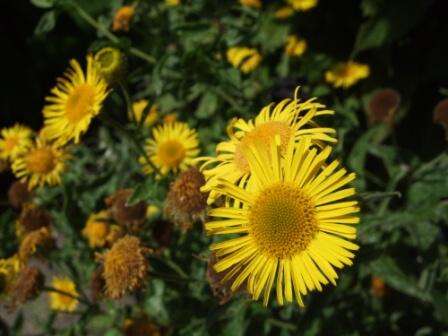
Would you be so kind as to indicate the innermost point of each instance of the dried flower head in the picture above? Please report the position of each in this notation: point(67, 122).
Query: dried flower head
point(36, 241)
point(185, 202)
point(125, 266)
point(123, 18)
point(130, 216)
point(141, 326)
point(378, 287)
point(382, 106)
point(26, 287)
point(32, 217)
point(19, 194)
point(440, 115)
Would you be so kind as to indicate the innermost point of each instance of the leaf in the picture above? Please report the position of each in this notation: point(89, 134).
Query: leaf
point(43, 3)
point(46, 23)
point(207, 105)
point(372, 34)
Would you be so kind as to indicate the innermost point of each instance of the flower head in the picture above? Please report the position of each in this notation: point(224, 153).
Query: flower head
point(43, 163)
point(34, 242)
point(290, 119)
point(295, 46)
point(185, 202)
point(139, 107)
point(74, 102)
point(172, 2)
point(123, 18)
point(32, 217)
point(251, 3)
point(440, 115)
point(284, 12)
point(97, 229)
point(141, 326)
point(172, 148)
point(129, 216)
point(9, 268)
point(19, 194)
point(62, 302)
point(294, 227)
point(303, 5)
point(125, 266)
point(243, 58)
point(382, 106)
point(26, 287)
point(111, 64)
point(347, 74)
point(14, 141)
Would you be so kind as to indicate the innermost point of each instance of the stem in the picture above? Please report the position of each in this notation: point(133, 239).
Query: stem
point(228, 99)
point(55, 290)
point(95, 24)
point(169, 277)
point(372, 195)
point(172, 265)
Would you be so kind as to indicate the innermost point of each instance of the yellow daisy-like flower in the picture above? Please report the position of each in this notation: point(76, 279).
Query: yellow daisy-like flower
point(303, 5)
point(295, 46)
point(97, 229)
point(347, 74)
point(111, 64)
point(9, 268)
point(75, 101)
point(61, 302)
point(172, 2)
point(251, 3)
point(172, 148)
point(14, 141)
point(243, 58)
point(41, 164)
point(137, 109)
point(293, 224)
point(284, 12)
point(291, 119)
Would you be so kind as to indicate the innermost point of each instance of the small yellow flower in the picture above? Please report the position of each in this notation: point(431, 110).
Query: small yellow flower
point(172, 148)
point(243, 58)
point(303, 5)
point(111, 63)
point(60, 301)
point(251, 3)
point(152, 211)
point(284, 12)
point(172, 2)
point(41, 164)
point(139, 107)
point(295, 46)
point(97, 229)
point(74, 102)
point(9, 268)
point(347, 74)
point(14, 141)
point(123, 17)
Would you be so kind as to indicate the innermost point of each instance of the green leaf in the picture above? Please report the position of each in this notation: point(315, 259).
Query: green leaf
point(43, 3)
point(372, 34)
point(207, 105)
point(46, 23)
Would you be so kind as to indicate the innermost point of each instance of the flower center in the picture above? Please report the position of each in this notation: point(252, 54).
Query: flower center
point(80, 103)
point(282, 220)
point(171, 153)
point(10, 143)
point(41, 161)
point(263, 133)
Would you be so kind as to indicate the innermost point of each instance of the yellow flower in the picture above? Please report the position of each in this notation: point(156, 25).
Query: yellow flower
point(125, 266)
point(251, 3)
point(152, 211)
point(303, 5)
point(172, 2)
point(75, 101)
point(245, 59)
point(293, 225)
point(38, 239)
point(172, 148)
point(14, 141)
point(111, 63)
point(123, 18)
point(139, 107)
point(347, 74)
point(97, 229)
point(284, 12)
point(295, 46)
point(60, 301)
point(41, 164)
point(9, 268)
point(291, 119)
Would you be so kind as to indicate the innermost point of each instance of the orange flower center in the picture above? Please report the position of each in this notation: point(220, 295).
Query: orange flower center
point(80, 103)
point(41, 160)
point(171, 153)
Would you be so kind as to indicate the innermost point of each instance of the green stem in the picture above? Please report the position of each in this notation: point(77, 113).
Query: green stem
point(228, 99)
point(372, 195)
point(172, 265)
point(95, 24)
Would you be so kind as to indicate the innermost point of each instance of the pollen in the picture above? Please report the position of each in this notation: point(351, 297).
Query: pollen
point(262, 133)
point(79, 103)
point(41, 160)
point(282, 220)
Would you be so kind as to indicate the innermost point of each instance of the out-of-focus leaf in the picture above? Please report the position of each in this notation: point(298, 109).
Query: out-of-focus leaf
point(207, 105)
point(46, 23)
point(43, 3)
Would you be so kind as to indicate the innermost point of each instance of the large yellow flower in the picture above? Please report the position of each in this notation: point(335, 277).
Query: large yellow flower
point(75, 100)
point(43, 163)
point(14, 141)
point(61, 302)
point(291, 119)
point(303, 5)
point(293, 224)
point(347, 74)
point(172, 148)
point(245, 59)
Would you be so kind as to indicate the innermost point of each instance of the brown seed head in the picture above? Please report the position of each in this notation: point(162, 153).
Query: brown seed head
point(141, 326)
point(19, 194)
point(32, 218)
point(383, 105)
point(185, 202)
point(26, 287)
point(125, 266)
point(36, 241)
point(130, 216)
